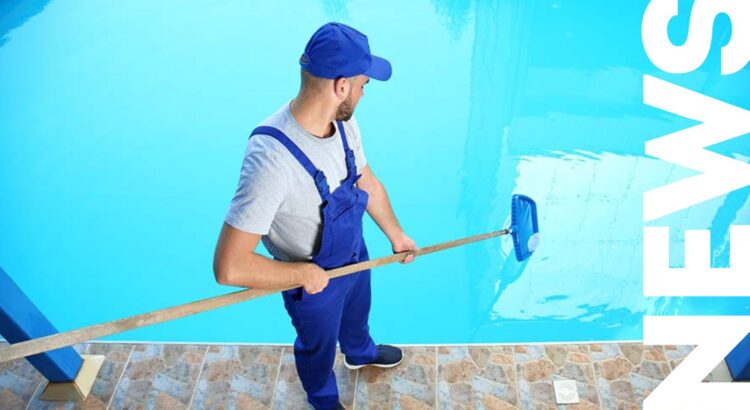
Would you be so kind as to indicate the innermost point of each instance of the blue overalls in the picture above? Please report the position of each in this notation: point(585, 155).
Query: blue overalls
point(340, 312)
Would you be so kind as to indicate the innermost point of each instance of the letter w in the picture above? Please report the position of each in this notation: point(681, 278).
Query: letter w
point(719, 122)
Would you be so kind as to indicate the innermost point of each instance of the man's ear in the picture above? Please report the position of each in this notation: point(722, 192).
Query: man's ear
point(341, 88)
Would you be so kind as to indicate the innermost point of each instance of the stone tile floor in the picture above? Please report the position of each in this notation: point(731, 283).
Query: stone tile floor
point(178, 376)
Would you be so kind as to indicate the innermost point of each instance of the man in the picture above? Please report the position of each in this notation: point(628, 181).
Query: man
point(304, 187)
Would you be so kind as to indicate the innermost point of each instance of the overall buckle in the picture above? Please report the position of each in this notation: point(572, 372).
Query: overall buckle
point(350, 159)
point(321, 183)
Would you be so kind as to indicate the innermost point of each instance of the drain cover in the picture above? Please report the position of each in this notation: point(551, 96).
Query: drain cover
point(566, 391)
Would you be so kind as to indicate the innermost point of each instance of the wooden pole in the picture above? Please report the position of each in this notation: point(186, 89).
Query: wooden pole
point(58, 340)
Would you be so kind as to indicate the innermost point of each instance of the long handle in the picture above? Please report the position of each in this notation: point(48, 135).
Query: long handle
point(58, 340)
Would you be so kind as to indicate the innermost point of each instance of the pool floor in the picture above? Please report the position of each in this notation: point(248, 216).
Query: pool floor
point(608, 375)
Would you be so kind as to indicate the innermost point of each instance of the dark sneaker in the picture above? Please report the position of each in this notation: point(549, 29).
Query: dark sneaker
point(388, 356)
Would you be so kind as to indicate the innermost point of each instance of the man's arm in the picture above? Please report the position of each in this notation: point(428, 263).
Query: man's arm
point(237, 264)
point(379, 208)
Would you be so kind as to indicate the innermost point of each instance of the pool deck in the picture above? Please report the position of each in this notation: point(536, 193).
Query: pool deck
point(176, 376)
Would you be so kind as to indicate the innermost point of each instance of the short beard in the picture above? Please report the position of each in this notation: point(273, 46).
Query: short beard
point(344, 111)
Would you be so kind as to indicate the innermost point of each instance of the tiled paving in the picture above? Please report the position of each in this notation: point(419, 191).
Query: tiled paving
point(180, 376)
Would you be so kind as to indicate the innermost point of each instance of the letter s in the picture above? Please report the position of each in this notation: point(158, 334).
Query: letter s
point(689, 56)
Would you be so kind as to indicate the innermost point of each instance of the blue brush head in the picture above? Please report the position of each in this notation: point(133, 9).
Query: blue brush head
point(524, 226)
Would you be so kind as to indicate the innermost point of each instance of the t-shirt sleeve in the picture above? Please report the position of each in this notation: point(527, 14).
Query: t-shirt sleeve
point(260, 191)
point(356, 145)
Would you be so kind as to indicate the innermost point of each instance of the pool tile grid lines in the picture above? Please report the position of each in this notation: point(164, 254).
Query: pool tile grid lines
point(199, 376)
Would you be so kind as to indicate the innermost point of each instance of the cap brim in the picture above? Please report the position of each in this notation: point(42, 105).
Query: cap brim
point(380, 69)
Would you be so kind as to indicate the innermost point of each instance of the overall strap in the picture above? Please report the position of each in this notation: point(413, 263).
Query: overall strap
point(320, 179)
point(351, 165)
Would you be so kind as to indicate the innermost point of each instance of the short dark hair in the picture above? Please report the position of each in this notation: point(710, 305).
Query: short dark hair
point(310, 81)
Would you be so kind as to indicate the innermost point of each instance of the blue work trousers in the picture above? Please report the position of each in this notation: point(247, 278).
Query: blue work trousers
point(340, 312)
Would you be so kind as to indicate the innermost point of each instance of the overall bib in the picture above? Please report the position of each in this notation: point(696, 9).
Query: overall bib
point(340, 312)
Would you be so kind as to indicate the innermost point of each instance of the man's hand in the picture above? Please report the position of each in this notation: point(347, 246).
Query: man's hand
point(313, 278)
point(403, 243)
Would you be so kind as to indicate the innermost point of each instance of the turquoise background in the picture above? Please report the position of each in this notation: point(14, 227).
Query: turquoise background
point(124, 125)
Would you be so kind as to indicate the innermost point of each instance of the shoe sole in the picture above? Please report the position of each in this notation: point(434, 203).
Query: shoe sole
point(359, 366)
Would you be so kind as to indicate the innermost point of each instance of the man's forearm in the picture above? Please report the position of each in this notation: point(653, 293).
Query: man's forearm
point(379, 208)
point(259, 272)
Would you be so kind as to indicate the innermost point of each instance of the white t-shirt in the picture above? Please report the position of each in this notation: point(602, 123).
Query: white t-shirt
point(277, 198)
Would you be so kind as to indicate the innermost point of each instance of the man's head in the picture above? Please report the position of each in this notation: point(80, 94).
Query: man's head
point(337, 62)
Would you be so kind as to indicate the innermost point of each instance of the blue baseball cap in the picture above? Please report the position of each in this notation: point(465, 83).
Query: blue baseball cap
point(337, 50)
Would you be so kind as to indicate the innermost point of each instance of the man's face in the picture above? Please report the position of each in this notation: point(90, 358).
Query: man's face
point(356, 91)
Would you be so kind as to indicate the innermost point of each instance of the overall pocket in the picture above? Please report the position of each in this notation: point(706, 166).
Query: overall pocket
point(342, 239)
